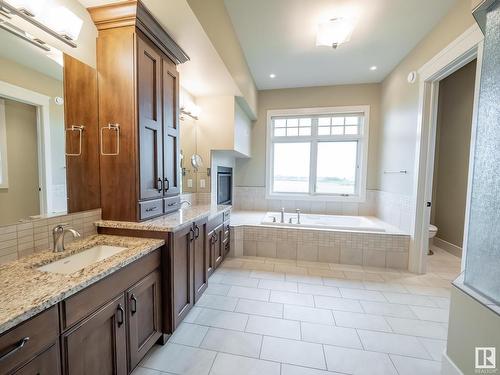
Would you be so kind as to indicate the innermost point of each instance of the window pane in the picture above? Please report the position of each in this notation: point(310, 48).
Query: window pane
point(292, 132)
point(291, 167)
point(323, 130)
point(324, 121)
point(281, 123)
point(305, 131)
point(305, 122)
point(351, 130)
point(351, 120)
point(336, 167)
point(292, 122)
point(337, 130)
point(280, 132)
point(338, 121)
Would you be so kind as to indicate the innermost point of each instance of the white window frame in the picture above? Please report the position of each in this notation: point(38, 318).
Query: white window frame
point(363, 140)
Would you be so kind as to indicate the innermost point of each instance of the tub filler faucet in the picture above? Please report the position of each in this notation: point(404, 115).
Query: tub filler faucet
point(282, 215)
point(298, 215)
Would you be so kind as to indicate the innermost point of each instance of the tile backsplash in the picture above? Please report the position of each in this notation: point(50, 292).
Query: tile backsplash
point(27, 237)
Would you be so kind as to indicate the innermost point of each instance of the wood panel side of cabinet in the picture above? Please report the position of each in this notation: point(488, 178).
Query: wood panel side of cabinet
point(82, 146)
point(116, 66)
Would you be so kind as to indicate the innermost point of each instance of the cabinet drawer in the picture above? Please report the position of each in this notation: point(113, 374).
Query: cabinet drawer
point(84, 303)
point(214, 222)
point(226, 215)
point(150, 209)
point(226, 230)
point(23, 342)
point(46, 363)
point(171, 204)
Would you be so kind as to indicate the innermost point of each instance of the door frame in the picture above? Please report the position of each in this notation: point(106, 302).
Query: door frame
point(42, 104)
point(467, 47)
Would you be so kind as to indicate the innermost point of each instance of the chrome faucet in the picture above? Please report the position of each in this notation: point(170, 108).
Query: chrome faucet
point(58, 233)
point(282, 215)
point(184, 201)
point(298, 215)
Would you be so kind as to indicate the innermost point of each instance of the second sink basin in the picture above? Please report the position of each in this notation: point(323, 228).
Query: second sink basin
point(81, 260)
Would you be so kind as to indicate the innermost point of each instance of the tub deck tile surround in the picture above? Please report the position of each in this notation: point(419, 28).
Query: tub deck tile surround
point(328, 325)
point(369, 249)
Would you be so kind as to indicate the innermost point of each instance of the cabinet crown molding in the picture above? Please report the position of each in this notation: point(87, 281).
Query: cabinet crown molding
point(135, 13)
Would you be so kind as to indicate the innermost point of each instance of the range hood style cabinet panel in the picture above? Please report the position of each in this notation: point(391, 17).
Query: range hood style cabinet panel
point(138, 96)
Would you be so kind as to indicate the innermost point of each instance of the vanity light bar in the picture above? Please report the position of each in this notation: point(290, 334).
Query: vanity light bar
point(188, 113)
point(36, 42)
point(28, 16)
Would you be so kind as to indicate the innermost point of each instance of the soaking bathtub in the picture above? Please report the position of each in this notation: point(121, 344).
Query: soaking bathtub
point(339, 222)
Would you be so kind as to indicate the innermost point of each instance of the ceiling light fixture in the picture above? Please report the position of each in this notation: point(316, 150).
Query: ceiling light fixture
point(373, 67)
point(334, 32)
point(272, 75)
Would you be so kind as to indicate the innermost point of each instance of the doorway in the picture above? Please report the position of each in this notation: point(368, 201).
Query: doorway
point(462, 51)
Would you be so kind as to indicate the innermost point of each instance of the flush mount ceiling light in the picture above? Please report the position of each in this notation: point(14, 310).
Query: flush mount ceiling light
point(334, 32)
point(373, 67)
point(272, 75)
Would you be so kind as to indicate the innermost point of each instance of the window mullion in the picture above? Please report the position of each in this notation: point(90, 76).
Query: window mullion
point(313, 157)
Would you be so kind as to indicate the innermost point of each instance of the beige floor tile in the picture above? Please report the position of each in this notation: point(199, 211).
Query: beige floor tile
point(227, 364)
point(189, 334)
point(180, 359)
point(308, 314)
point(293, 352)
point(217, 289)
point(362, 321)
point(279, 276)
point(273, 327)
point(339, 304)
point(217, 302)
point(408, 299)
point(388, 309)
point(430, 313)
point(331, 335)
point(415, 366)
point(249, 293)
point(361, 294)
point(298, 370)
point(270, 309)
point(354, 361)
point(393, 344)
point(286, 286)
point(232, 342)
point(221, 319)
point(434, 347)
point(292, 298)
point(305, 279)
point(419, 328)
point(319, 290)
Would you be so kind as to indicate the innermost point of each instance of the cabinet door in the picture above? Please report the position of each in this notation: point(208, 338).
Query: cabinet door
point(98, 345)
point(171, 128)
point(219, 246)
point(150, 120)
point(211, 252)
point(144, 311)
point(181, 253)
point(200, 277)
point(46, 363)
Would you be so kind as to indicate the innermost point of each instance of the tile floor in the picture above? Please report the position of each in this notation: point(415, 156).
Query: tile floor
point(263, 316)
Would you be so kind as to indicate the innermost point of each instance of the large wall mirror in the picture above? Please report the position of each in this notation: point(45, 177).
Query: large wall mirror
point(33, 133)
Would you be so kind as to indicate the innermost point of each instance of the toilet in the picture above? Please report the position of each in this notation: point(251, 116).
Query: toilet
point(432, 233)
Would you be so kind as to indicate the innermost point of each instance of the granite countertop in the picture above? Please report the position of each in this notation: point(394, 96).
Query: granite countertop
point(25, 291)
point(170, 222)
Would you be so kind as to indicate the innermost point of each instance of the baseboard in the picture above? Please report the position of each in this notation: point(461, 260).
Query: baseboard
point(447, 246)
point(448, 367)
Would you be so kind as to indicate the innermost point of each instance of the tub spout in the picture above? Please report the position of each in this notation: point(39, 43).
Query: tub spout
point(298, 215)
point(282, 215)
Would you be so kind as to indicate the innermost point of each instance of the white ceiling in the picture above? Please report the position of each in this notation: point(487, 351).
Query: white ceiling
point(278, 36)
point(205, 74)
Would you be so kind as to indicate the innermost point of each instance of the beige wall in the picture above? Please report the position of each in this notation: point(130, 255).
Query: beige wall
point(399, 102)
point(252, 172)
point(456, 98)
point(217, 24)
point(471, 325)
point(21, 198)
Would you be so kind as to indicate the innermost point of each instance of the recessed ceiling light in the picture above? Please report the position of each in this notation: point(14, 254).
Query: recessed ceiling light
point(272, 75)
point(334, 32)
point(373, 67)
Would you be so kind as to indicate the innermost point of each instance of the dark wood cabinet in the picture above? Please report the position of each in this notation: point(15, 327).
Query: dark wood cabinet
point(138, 112)
point(97, 345)
point(46, 363)
point(149, 71)
point(200, 266)
point(171, 141)
point(144, 316)
point(218, 241)
point(181, 258)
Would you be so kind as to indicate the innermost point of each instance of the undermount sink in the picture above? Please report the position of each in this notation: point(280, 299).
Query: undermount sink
point(76, 262)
